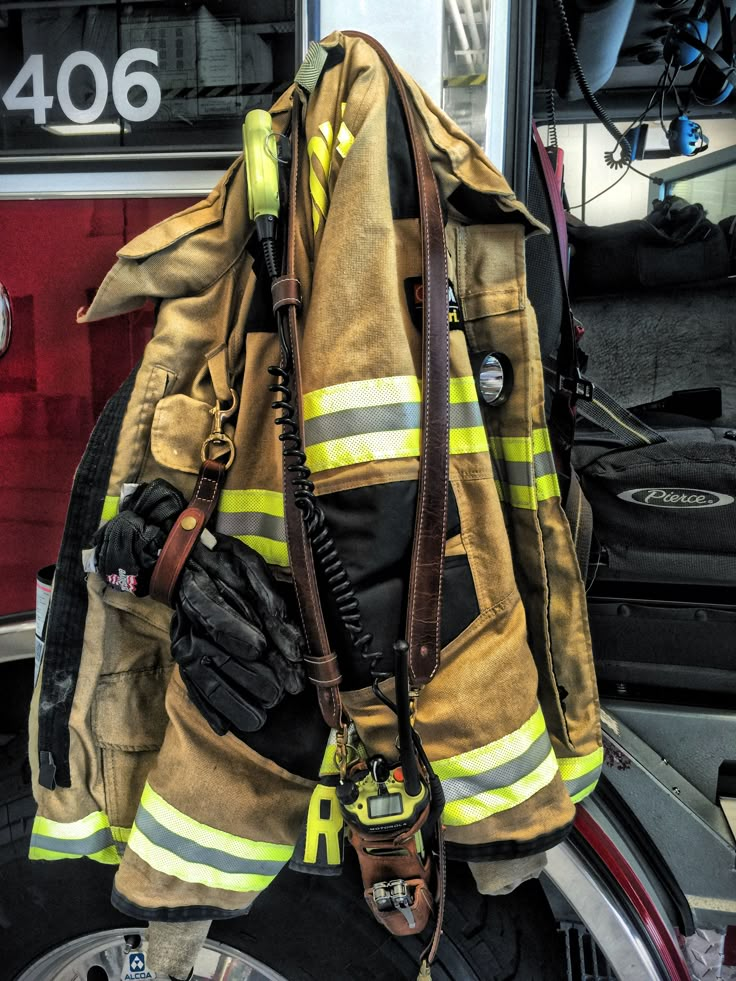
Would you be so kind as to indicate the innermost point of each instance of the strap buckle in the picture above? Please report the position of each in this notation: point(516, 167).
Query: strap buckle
point(576, 385)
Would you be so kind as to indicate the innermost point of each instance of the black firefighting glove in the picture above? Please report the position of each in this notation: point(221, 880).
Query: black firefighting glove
point(127, 546)
point(237, 649)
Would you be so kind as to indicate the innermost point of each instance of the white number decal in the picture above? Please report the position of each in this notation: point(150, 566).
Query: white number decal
point(122, 83)
point(91, 61)
point(31, 72)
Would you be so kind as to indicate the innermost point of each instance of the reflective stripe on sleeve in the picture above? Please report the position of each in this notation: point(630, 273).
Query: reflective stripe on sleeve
point(255, 517)
point(380, 419)
point(89, 837)
point(110, 508)
point(580, 773)
point(498, 776)
point(524, 469)
point(177, 845)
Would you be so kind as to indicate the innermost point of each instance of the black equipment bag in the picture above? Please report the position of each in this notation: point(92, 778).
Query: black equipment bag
point(664, 512)
point(662, 502)
point(661, 597)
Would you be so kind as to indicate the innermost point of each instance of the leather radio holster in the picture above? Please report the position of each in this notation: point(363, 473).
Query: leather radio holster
point(386, 863)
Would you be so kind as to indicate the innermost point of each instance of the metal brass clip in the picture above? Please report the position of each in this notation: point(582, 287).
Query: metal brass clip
point(341, 751)
point(413, 699)
point(217, 434)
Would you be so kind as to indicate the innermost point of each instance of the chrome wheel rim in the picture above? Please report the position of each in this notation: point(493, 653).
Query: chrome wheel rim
point(117, 955)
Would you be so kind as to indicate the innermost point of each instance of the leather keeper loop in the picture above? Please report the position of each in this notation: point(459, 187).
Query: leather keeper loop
point(286, 292)
point(326, 671)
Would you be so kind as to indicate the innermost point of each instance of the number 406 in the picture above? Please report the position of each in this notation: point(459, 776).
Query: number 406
point(122, 82)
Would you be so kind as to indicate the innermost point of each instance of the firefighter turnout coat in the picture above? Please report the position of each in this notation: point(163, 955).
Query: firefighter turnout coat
point(125, 769)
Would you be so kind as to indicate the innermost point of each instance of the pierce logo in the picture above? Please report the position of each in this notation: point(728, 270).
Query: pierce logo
point(675, 497)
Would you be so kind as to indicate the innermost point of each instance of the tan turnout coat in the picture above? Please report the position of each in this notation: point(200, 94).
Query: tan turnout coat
point(200, 824)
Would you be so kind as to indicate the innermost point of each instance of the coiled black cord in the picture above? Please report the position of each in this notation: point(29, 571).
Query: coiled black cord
point(582, 81)
point(323, 544)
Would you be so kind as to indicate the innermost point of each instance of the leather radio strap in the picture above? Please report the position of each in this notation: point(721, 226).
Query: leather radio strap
point(424, 600)
point(425, 582)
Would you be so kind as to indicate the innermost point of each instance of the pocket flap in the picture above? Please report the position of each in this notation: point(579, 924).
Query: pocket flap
point(491, 303)
point(129, 711)
point(180, 426)
point(490, 269)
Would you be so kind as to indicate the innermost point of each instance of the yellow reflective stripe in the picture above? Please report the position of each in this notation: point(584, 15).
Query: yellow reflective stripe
point(468, 440)
point(167, 862)
point(350, 397)
point(319, 148)
point(345, 140)
point(120, 834)
point(576, 798)
point(329, 767)
point(477, 808)
point(110, 508)
point(372, 392)
point(263, 501)
point(526, 469)
point(462, 390)
point(499, 751)
point(391, 445)
point(580, 773)
point(574, 767)
point(271, 551)
point(88, 837)
point(515, 449)
point(255, 516)
point(519, 496)
point(83, 828)
point(202, 834)
point(541, 442)
point(361, 395)
point(547, 487)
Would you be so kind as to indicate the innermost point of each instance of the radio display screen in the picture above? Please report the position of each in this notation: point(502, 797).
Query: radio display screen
point(384, 806)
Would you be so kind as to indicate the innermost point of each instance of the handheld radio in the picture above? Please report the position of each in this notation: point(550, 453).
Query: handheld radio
point(383, 798)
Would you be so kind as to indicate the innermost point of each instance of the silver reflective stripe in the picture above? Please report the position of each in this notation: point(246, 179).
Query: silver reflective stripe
point(544, 464)
point(574, 787)
point(191, 851)
point(383, 418)
point(74, 846)
point(251, 523)
point(498, 777)
point(517, 473)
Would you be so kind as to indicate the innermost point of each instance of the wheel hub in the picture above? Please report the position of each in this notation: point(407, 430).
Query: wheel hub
point(118, 955)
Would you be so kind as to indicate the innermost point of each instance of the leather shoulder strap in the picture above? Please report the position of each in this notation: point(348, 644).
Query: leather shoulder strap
point(423, 608)
point(425, 583)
